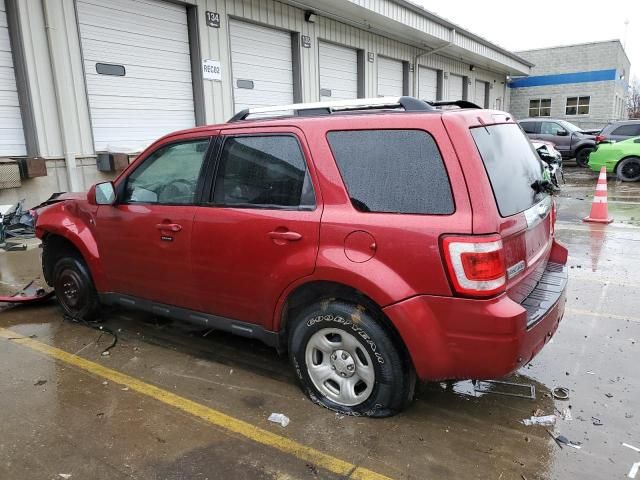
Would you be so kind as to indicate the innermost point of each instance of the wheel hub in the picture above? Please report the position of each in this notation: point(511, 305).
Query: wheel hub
point(342, 362)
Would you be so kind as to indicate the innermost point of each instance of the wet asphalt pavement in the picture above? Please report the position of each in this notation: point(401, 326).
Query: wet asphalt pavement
point(58, 418)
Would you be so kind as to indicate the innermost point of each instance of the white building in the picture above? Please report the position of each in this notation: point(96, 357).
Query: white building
point(79, 77)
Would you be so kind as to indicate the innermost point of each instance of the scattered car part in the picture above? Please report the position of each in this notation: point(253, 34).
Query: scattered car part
point(29, 294)
point(560, 393)
point(545, 420)
point(636, 449)
point(482, 386)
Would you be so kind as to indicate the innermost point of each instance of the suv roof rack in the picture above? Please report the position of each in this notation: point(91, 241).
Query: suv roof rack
point(410, 104)
point(454, 103)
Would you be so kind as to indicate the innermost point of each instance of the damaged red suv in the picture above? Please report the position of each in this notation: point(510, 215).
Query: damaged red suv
point(376, 241)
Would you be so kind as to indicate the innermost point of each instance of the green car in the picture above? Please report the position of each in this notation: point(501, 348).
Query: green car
point(621, 158)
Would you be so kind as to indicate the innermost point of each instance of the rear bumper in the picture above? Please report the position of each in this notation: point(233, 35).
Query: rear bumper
point(449, 337)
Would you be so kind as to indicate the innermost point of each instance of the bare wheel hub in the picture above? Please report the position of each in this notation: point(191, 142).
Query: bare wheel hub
point(342, 362)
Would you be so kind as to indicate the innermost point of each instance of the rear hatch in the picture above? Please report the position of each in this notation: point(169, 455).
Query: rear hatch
point(526, 225)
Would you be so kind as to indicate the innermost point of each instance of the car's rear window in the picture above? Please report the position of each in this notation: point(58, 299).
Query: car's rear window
point(398, 171)
point(512, 165)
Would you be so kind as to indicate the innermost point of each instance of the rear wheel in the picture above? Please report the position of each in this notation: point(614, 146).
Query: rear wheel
point(629, 169)
point(582, 156)
point(74, 288)
point(348, 362)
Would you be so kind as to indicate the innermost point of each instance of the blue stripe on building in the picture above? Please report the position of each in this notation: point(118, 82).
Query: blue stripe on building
point(564, 78)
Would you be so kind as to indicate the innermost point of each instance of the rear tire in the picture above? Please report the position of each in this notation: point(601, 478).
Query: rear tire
point(348, 362)
point(629, 169)
point(582, 156)
point(74, 288)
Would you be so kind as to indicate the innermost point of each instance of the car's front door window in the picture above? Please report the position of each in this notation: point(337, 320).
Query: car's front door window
point(169, 176)
point(551, 128)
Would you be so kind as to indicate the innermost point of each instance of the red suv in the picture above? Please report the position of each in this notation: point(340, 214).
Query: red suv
point(376, 241)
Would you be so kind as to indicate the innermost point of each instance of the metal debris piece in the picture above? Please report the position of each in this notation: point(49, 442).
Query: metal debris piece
point(280, 418)
point(596, 421)
point(634, 470)
point(483, 386)
point(569, 443)
point(631, 447)
point(560, 393)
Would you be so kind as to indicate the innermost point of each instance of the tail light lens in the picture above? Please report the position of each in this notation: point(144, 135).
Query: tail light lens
point(600, 138)
point(475, 264)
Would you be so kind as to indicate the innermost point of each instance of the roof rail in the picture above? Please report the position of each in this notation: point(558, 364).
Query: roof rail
point(410, 104)
point(454, 103)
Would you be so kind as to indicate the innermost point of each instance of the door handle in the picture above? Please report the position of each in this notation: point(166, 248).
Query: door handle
point(171, 227)
point(289, 236)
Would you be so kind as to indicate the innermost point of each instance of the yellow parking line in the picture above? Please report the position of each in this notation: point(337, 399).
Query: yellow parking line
point(210, 415)
point(577, 311)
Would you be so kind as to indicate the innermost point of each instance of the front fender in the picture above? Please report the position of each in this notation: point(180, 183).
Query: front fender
point(75, 221)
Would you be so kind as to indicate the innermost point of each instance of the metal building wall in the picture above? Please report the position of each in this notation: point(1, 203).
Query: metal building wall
point(59, 120)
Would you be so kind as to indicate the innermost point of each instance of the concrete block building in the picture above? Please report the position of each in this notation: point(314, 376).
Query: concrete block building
point(80, 77)
point(585, 84)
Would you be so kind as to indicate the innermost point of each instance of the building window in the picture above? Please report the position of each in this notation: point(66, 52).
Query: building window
point(578, 106)
point(540, 107)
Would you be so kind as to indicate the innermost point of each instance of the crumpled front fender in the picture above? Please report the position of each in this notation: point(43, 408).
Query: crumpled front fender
point(74, 220)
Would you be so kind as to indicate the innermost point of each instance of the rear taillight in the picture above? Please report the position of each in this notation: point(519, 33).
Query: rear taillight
point(475, 264)
point(600, 138)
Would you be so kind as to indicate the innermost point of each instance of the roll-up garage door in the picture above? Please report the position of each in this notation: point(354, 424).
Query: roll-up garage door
point(138, 70)
point(11, 134)
point(390, 77)
point(338, 72)
point(428, 84)
point(455, 87)
point(480, 94)
point(262, 65)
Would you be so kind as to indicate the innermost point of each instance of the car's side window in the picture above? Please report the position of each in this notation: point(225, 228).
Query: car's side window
point(550, 128)
point(263, 171)
point(530, 127)
point(627, 130)
point(169, 176)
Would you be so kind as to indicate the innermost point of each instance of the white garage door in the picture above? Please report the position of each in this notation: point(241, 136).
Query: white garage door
point(455, 87)
point(390, 78)
point(338, 72)
point(428, 84)
point(480, 98)
point(11, 135)
point(262, 65)
point(153, 94)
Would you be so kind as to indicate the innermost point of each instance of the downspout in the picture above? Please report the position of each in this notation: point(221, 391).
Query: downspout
point(73, 183)
point(416, 67)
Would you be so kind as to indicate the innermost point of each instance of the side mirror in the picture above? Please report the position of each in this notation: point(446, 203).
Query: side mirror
point(102, 194)
point(562, 133)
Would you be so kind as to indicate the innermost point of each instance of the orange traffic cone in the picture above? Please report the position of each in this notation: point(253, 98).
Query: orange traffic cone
point(599, 210)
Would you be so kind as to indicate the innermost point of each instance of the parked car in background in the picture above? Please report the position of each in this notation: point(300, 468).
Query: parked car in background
point(621, 158)
point(568, 139)
point(618, 131)
point(375, 240)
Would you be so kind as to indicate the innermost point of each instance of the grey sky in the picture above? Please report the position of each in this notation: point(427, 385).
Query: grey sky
point(546, 23)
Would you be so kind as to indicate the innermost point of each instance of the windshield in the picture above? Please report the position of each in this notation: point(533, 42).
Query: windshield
point(512, 165)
